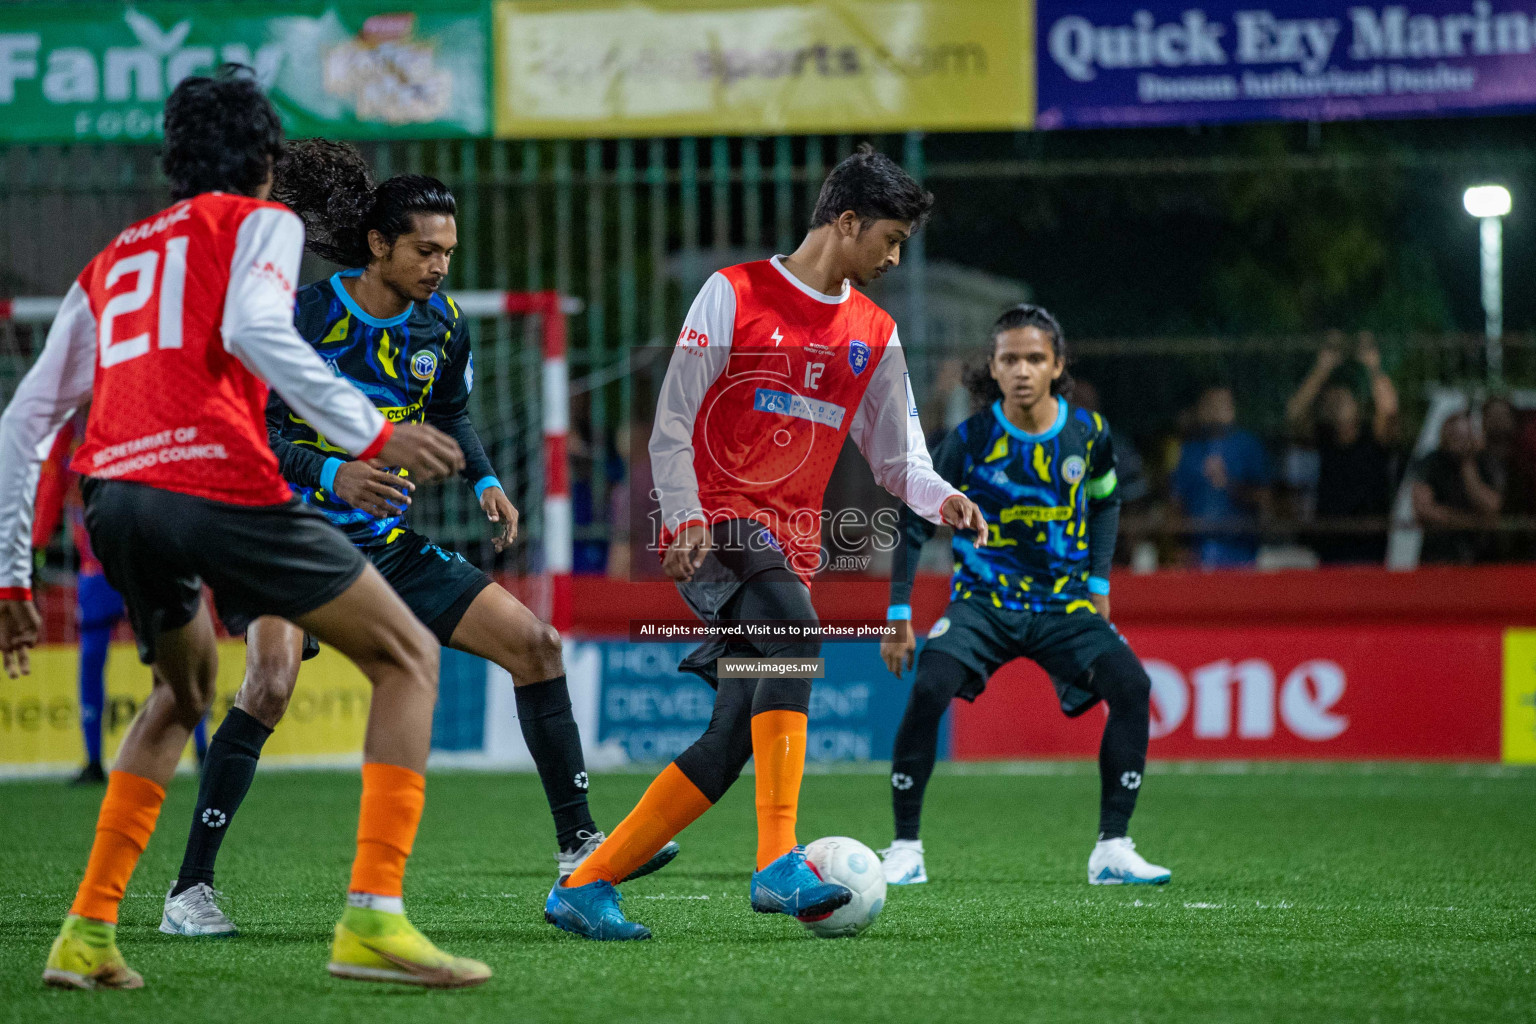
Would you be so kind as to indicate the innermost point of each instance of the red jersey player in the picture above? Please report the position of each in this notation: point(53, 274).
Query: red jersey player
point(98, 608)
point(173, 333)
point(778, 362)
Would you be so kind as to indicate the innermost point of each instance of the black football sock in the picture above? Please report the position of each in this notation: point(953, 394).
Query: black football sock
point(227, 773)
point(549, 729)
point(939, 678)
point(1119, 678)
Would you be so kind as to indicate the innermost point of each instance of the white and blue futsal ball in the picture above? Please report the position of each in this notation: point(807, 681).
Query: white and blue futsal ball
point(851, 863)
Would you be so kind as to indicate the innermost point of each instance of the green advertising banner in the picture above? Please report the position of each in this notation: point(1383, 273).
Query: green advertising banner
point(94, 72)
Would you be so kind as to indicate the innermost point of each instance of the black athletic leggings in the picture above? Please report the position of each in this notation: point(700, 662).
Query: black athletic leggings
point(715, 759)
point(1117, 676)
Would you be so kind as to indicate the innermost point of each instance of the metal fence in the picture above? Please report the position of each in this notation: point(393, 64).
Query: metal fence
point(632, 228)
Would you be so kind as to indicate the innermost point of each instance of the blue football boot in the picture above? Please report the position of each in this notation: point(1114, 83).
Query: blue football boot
point(791, 886)
point(591, 911)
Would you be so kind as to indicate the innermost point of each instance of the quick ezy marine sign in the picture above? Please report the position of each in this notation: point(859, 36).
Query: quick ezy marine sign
point(1104, 63)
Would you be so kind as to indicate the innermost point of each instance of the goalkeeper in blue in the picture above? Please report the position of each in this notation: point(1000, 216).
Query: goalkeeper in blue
point(1043, 474)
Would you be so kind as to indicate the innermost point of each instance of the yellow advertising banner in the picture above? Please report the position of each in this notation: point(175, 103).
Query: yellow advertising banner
point(731, 67)
point(40, 713)
point(1519, 696)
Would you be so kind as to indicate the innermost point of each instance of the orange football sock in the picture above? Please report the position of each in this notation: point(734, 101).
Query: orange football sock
point(386, 827)
point(778, 747)
point(670, 804)
point(123, 827)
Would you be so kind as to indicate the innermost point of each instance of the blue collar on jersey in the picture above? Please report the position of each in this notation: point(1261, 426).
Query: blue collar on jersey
point(356, 310)
point(1024, 435)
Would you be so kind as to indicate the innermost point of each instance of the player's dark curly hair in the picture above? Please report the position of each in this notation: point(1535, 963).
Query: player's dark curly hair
point(873, 186)
point(978, 379)
point(328, 184)
point(222, 134)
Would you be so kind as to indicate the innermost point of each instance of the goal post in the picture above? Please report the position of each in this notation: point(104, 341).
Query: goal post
point(550, 310)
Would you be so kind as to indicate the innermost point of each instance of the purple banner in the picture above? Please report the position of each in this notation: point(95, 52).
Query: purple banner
point(1121, 64)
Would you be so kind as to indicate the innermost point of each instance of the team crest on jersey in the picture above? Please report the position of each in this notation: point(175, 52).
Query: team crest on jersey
point(423, 365)
point(858, 356)
point(1073, 468)
point(939, 628)
point(469, 373)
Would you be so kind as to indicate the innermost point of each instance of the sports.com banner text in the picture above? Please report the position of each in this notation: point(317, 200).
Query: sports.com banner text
point(666, 68)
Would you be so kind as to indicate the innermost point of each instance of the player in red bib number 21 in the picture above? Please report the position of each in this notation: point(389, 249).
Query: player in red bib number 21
point(778, 363)
point(173, 335)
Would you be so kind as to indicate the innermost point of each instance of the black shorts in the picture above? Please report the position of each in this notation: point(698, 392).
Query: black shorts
point(984, 637)
point(158, 548)
point(437, 586)
point(739, 550)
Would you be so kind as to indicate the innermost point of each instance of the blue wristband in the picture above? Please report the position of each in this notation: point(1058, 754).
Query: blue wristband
point(899, 611)
point(328, 474)
point(484, 484)
point(1098, 585)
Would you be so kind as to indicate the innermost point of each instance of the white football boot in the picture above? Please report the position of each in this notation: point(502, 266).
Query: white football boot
point(902, 862)
point(194, 912)
point(568, 861)
point(1116, 862)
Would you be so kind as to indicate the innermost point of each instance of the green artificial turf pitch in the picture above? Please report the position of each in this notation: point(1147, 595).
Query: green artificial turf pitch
point(1307, 893)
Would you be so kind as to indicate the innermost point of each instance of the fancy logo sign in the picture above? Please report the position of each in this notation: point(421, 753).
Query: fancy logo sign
point(139, 74)
point(342, 70)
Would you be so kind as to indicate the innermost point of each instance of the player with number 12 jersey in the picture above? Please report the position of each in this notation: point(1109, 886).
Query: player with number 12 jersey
point(778, 363)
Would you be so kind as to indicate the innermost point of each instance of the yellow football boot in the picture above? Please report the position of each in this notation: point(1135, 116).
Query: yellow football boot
point(375, 945)
point(85, 956)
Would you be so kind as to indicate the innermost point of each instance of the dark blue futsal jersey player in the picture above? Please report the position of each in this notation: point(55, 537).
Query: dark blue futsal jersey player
point(1043, 474)
point(386, 326)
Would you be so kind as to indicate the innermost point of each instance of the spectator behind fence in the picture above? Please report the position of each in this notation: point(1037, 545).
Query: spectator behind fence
point(1497, 458)
point(1222, 479)
point(1130, 471)
point(1522, 494)
point(1452, 499)
point(1498, 464)
point(1354, 457)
